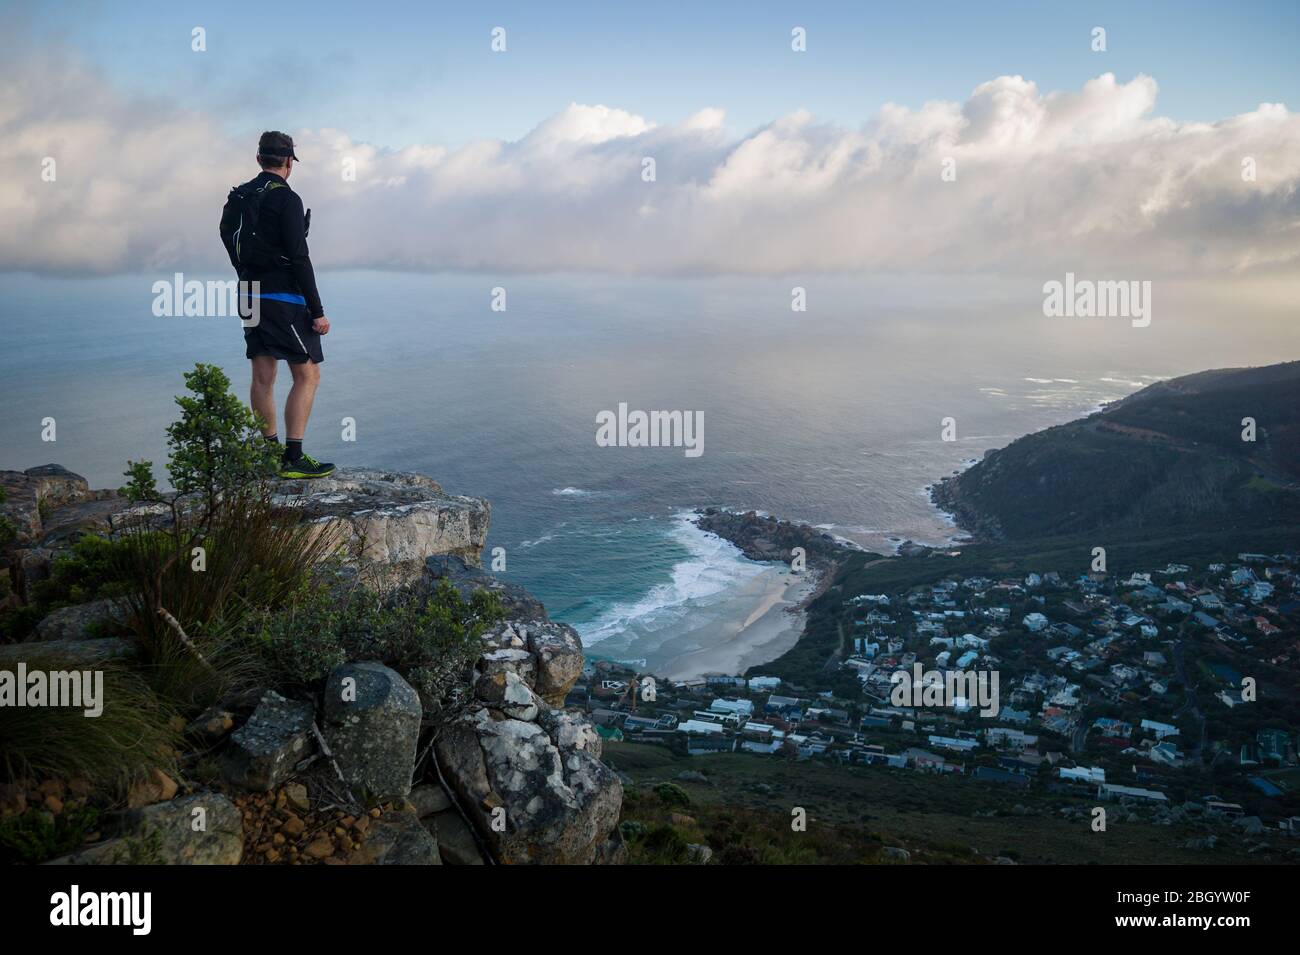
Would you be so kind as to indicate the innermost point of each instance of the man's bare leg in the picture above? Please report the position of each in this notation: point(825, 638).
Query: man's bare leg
point(297, 409)
point(261, 396)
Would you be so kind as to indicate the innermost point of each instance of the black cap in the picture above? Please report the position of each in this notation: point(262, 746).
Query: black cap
point(277, 144)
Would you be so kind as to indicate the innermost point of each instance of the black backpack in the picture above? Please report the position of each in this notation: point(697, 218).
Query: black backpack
point(240, 224)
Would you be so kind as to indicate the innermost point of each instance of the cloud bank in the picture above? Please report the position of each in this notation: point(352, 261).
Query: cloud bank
point(1080, 180)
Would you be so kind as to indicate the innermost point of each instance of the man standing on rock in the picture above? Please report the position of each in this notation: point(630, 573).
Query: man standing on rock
point(264, 229)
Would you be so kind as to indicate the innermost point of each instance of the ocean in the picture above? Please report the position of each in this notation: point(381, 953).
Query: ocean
point(832, 416)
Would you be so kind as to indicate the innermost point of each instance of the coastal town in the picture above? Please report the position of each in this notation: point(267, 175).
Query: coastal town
point(1167, 692)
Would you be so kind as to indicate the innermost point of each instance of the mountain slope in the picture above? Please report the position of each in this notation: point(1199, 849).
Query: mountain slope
point(1171, 454)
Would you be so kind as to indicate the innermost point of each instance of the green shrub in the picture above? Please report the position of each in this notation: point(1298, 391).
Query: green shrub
point(632, 830)
point(88, 571)
point(431, 640)
point(35, 836)
point(670, 794)
point(664, 845)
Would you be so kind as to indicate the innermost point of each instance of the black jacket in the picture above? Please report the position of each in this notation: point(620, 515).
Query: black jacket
point(283, 225)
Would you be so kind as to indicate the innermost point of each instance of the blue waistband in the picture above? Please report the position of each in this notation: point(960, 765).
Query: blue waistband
point(283, 297)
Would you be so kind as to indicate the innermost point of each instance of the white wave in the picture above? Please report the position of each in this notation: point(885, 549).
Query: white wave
point(572, 492)
point(712, 567)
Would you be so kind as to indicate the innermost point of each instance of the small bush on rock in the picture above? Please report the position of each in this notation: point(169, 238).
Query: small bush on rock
point(432, 641)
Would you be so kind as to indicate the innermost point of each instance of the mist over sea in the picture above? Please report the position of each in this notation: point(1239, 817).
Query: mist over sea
point(830, 416)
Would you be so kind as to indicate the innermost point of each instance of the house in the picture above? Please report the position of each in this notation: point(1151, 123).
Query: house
point(920, 759)
point(1082, 774)
point(717, 679)
point(640, 723)
point(696, 745)
point(1111, 727)
point(764, 684)
point(1159, 730)
point(1035, 622)
point(949, 742)
point(1259, 591)
point(780, 704)
point(739, 708)
point(1166, 753)
point(700, 727)
point(823, 714)
point(1002, 736)
point(1113, 791)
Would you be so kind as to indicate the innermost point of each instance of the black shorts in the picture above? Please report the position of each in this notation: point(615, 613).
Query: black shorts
point(283, 331)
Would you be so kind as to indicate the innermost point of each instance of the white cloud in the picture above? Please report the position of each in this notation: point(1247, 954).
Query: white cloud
point(1079, 180)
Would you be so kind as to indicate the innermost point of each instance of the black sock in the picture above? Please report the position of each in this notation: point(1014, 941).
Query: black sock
point(273, 438)
point(292, 449)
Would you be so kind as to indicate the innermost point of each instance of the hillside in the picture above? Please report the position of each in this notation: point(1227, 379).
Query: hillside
point(1169, 455)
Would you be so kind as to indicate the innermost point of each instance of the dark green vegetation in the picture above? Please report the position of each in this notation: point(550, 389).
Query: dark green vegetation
point(1171, 455)
point(430, 641)
point(744, 814)
point(220, 590)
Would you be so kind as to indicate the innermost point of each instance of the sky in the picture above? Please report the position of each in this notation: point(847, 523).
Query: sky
point(766, 159)
point(402, 73)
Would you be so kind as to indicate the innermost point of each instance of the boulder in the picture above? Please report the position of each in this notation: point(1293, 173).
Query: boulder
point(264, 751)
point(70, 652)
point(391, 518)
point(397, 838)
point(372, 725)
point(456, 843)
point(79, 622)
point(202, 829)
point(698, 853)
point(554, 655)
point(28, 492)
point(428, 799)
point(1251, 825)
point(560, 802)
point(69, 522)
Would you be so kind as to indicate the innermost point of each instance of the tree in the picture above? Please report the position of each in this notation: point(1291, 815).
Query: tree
point(216, 446)
point(219, 466)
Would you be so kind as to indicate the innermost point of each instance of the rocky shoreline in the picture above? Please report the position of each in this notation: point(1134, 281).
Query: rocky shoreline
point(946, 495)
point(350, 774)
point(767, 538)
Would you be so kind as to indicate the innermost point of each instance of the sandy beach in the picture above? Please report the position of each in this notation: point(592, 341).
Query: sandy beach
point(731, 646)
